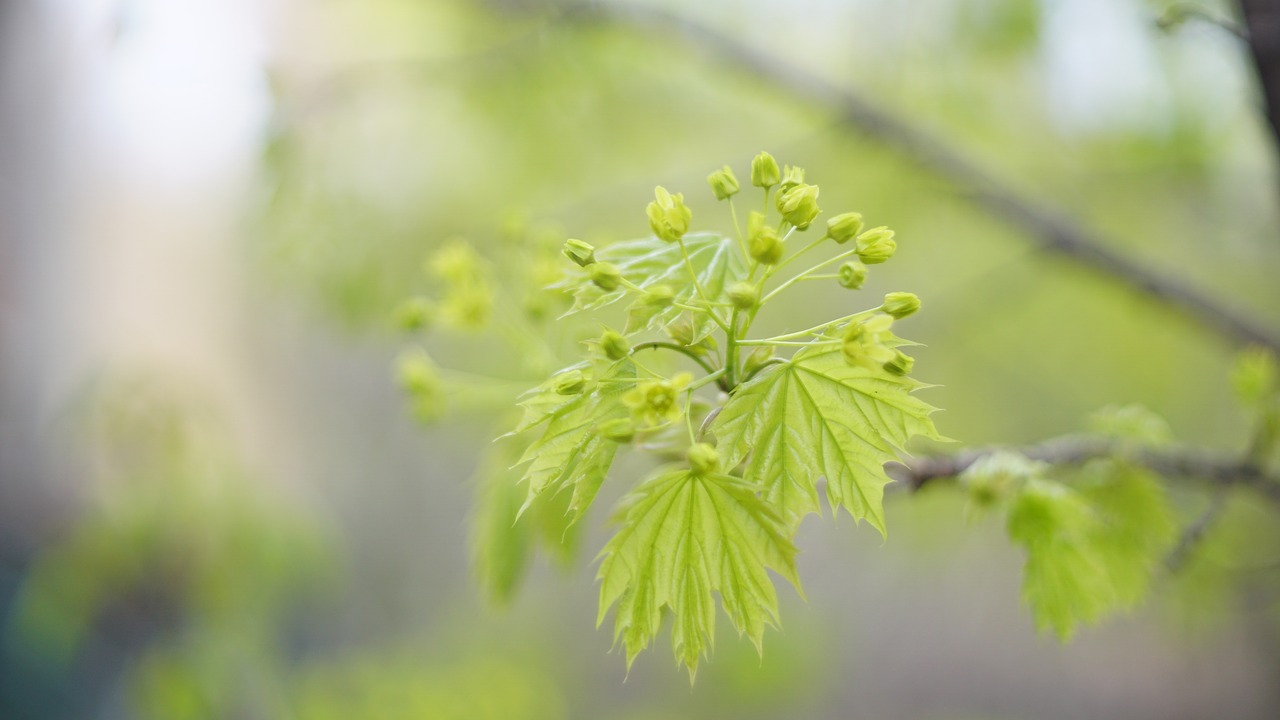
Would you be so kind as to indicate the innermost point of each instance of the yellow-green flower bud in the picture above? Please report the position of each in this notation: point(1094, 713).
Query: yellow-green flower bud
point(757, 359)
point(791, 177)
point(571, 382)
point(614, 345)
point(605, 275)
point(852, 274)
point(844, 227)
point(799, 205)
point(744, 295)
point(764, 171)
point(703, 458)
point(582, 253)
point(659, 295)
point(681, 331)
point(900, 304)
point(864, 342)
point(654, 402)
point(765, 246)
point(668, 216)
point(618, 430)
point(415, 314)
point(876, 245)
point(723, 183)
point(901, 363)
point(455, 262)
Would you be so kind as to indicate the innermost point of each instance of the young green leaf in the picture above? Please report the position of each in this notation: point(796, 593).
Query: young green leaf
point(1138, 525)
point(686, 535)
point(818, 416)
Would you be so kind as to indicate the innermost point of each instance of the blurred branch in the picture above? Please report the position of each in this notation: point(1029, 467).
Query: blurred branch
point(1181, 462)
point(1194, 533)
point(1262, 20)
point(1180, 13)
point(1051, 229)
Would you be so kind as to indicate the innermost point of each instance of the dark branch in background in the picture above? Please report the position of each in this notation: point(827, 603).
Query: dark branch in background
point(1178, 462)
point(1052, 230)
point(1262, 18)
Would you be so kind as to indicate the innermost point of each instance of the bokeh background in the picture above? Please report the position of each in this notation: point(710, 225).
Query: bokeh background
point(215, 502)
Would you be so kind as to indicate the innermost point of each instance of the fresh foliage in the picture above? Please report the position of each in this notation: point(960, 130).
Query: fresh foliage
point(754, 431)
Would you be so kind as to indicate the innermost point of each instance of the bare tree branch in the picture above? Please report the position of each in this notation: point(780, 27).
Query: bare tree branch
point(1050, 229)
point(1177, 462)
point(1262, 18)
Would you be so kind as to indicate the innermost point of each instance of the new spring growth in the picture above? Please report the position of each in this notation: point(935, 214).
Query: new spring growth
point(758, 358)
point(614, 345)
point(668, 216)
point(723, 183)
point(798, 204)
point(901, 363)
point(571, 382)
point(762, 240)
point(744, 295)
point(844, 227)
point(900, 304)
point(852, 274)
point(864, 342)
point(764, 171)
point(659, 295)
point(418, 376)
point(876, 245)
point(703, 458)
point(654, 402)
point(580, 252)
point(618, 430)
point(605, 275)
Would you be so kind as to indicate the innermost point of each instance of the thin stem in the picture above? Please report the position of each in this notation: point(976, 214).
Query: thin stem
point(655, 344)
point(737, 229)
point(697, 287)
point(731, 350)
point(802, 275)
point(715, 377)
point(790, 343)
point(816, 329)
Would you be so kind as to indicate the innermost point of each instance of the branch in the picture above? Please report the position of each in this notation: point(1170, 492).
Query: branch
point(1050, 229)
point(1181, 462)
point(1262, 20)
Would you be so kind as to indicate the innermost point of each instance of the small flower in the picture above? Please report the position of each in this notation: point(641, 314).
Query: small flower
point(655, 402)
point(605, 275)
point(799, 204)
point(659, 295)
point(852, 274)
point(668, 216)
point(614, 345)
point(582, 253)
point(876, 245)
point(415, 314)
point(758, 358)
point(864, 342)
point(791, 177)
point(763, 242)
point(723, 183)
point(900, 304)
point(901, 364)
point(703, 458)
point(844, 227)
point(571, 382)
point(764, 171)
point(618, 430)
point(744, 295)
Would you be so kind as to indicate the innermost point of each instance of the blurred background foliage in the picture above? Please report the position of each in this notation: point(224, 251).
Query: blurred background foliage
point(298, 547)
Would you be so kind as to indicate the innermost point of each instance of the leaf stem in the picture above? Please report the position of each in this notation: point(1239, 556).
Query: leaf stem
point(697, 286)
point(801, 276)
point(655, 344)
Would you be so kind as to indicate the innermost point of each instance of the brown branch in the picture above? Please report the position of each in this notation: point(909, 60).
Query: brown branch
point(1177, 462)
point(1051, 230)
point(1262, 20)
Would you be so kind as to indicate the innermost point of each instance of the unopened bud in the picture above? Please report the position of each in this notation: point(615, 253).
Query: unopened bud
point(900, 304)
point(723, 183)
point(844, 227)
point(571, 382)
point(659, 295)
point(614, 345)
point(757, 359)
point(852, 274)
point(765, 246)
point(901, 363)
point(744, 295)
point(618, 430)
point(681, 331)
point(764, 171)
point(605, 275)
point(799, 205)
point(876, 245)
point(582, 253)
point(703, 458)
